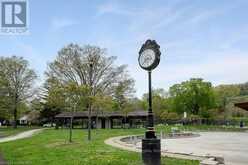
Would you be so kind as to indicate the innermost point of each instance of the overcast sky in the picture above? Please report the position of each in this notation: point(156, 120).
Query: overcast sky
point(207, 39)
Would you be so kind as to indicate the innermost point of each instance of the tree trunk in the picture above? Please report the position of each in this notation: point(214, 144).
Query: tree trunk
point(96, 121)
point(196, 109)
point(15, 118)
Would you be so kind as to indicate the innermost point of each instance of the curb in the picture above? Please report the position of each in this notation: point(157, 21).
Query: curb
point(204, 159)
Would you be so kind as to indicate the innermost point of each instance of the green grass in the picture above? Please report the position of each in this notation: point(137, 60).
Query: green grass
point(52, 147)
point(7, 131)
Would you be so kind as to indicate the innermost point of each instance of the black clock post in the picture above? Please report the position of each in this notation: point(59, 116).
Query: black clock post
point(149, 58)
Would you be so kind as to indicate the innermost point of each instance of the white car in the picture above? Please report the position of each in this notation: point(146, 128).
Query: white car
point(49, 125)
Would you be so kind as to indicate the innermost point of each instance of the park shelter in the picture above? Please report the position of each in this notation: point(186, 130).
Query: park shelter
point(115, 119)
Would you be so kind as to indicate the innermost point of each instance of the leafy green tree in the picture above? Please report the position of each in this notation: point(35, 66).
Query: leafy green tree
point(137, 104)
point(59, 97)
point(75, 98)
point(159, 102)
point(123, 92)
point(192, 96)
point(52, 100)
point(102, 103)
point(18, 83)
point(4, 99)
point(244, 89)
point(166, 116)
point(36, 104)
point(223, 92)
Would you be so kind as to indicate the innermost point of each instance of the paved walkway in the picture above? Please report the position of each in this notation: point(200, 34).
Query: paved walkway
point(116, 142)
point(21, 135)
point(232, 145)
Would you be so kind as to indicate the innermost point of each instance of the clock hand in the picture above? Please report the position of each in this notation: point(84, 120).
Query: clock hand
point(144, 61)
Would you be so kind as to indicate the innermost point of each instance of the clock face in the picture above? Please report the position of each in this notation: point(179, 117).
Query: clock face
point(147, 58)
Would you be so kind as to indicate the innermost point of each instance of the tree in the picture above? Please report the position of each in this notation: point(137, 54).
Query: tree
point(4, 100)
point(137, 104)
point(159, 102)
point(123, 92)
point(73, 65)
point(165, 115)
point(19, 81)
point(64, 97)
point(89, 66)
point(74, 97)
point(192, 96)
point(244, 89)
point(223, 92)
point(52, 100)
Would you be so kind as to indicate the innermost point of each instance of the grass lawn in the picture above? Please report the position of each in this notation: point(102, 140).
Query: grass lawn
point(52, 147)
point(7, 131)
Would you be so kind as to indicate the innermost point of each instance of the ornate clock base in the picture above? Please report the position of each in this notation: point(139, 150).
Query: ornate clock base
point(151, 151)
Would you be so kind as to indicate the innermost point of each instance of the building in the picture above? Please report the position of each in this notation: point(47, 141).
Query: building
point(242, 105)
point(133, 119)
point(23, 120)
point(30, 118)
point(234, 106)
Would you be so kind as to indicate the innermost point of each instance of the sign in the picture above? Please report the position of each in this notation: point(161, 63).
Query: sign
point(14, 17)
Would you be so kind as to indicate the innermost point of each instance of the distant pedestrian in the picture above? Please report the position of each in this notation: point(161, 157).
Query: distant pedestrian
point(241, 124)
point(0, 124)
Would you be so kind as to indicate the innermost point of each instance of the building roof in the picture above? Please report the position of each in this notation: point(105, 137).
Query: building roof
point(101, 114)
point(243, 105)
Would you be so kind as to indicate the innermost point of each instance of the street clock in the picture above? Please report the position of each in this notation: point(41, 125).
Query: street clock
point(149, 55)
point(149, 58)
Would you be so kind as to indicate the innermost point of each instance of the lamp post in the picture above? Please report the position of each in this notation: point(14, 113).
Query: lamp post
point(71, 122)
point(149, 58)
point(89, 104)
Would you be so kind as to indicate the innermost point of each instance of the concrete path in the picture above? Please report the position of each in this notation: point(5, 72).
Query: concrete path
point(135, 147)
point(232, 145)
point(21, 135)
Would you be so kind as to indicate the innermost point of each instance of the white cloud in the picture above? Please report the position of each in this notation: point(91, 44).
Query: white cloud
point(220, 68)
point(60, 23)
point(35, 59)
point(210, 54)
point(114, 8)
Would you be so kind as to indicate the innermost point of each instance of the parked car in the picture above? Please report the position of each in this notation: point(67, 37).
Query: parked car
point(49, 125)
